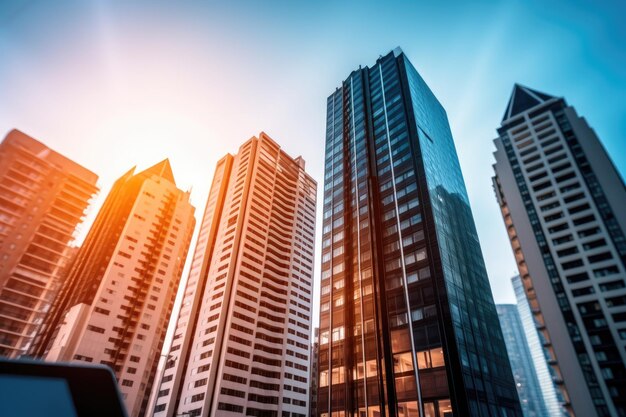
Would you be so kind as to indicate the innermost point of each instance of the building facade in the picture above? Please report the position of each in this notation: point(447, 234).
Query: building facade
point(563, 202)
point(314, 372)
point(43, 197)
point(521, 362)
point(408, 326)
point(549, 391)
point(242, 337)
point(116, 300)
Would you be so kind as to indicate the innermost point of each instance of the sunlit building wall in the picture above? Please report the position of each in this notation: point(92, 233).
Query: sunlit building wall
point(563, 202)
point(115, 303)
point(43, 197)
point(408, 325)
point(242, 338)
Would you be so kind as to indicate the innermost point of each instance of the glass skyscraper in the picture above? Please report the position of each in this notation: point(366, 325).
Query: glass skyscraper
point(549, 392)
point(408, 326)
point(521, 361)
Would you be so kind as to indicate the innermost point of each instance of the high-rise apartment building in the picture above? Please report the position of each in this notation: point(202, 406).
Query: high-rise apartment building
point(521, 361)
point(43, 197)
point(549, 392)
point(241, 343)
point(116, 300)
point(563, 202)
point(408, 325)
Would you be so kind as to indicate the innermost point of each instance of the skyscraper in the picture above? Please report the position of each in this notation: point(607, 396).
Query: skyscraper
point(241, 343)
point(408, 326)
point(563, 202)
point(117, 298)
point(549, 392)
point(521, 361)
point(314, 372)
point(43, 197)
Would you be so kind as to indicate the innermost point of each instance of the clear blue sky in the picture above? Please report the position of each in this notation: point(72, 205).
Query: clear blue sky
point(112, 84)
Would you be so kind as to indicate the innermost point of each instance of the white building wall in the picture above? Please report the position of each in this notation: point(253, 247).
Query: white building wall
point(161, 213)
point(576, 236)
point(249, 347)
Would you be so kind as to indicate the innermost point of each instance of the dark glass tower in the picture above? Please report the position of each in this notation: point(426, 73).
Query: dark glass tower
point(408, 326)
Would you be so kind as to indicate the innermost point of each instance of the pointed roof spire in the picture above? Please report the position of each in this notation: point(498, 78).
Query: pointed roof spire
point(522, 99)
point(163, 169)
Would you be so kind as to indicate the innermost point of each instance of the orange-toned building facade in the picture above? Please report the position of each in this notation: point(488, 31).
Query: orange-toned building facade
point(43, 197)
point(115, 304)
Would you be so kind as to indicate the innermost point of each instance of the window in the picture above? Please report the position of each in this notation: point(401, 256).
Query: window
point(397, 320)
point(197, 397)
point(338, 375)
point(603, 272)
point(338, 333)
point(414, 257)
point(392, 264)
point(230, 407)
point(101, 311)
point(600, 257)
point(550, 206)
point(323, 382)
point(589, 232)
point(545, 196)
point(553, 217)
point(594, 244)
point(338, 301)
point(567, 251)
point(95, 329)
point(565, 177)
point(558, 228)
point(200, 382)
point(577, 277)
point(432, 358)
point(571, 187)
point(563, 239)
point(578, 209)
point(607, 373)
point(402, 362)
point(538, 176)
point(572, 264)
point(574, 197)
point(424, 312)
point(424, 273)
point(613, 285)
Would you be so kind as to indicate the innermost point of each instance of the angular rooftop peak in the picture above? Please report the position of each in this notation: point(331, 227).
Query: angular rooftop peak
point(522, 99)
point(163, 169)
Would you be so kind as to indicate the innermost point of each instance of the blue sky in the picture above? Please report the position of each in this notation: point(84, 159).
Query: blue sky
point(112, 84)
